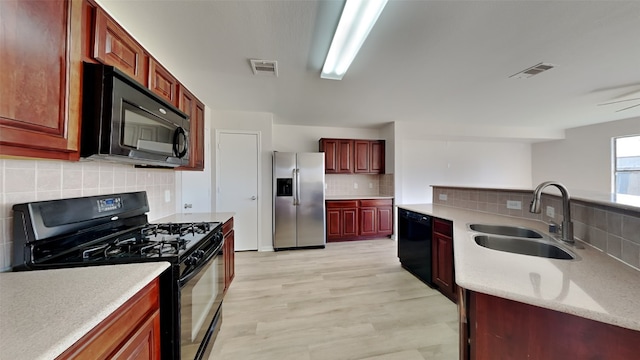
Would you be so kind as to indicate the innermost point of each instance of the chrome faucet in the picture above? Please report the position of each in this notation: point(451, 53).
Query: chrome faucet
point(567, 224)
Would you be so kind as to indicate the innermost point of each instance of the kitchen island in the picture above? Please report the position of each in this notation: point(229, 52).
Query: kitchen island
point(595, 286)
point(45, 312)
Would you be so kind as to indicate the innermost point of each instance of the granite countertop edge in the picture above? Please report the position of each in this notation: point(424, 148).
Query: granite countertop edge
point(586, 285)
point(72, 301)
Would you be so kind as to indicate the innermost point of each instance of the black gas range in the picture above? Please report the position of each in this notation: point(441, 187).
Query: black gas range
point(113, 229)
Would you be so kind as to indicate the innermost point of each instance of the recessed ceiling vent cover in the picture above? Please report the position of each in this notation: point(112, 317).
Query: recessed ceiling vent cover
point(264, 67)
point(534, 70)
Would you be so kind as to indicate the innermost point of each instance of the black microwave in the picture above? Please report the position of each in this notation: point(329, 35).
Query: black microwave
point(123, 121)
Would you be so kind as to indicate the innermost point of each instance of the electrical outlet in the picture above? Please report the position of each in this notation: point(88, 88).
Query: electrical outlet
point(514, 204)
point(551, 211)
point(167, 196)
point(442, 197)
point(370, 185)
point(355, 185)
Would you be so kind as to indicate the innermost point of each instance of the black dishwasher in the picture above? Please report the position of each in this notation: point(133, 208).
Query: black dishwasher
point(414, 244)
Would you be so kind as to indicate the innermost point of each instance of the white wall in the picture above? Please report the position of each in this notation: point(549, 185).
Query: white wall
point(196, 186)
point(583, 160)
point(293, 138)
point(478, 163)
point(260, 122)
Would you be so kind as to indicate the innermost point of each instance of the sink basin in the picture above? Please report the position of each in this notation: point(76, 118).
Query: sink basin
point(523, 246)
point(506, 230)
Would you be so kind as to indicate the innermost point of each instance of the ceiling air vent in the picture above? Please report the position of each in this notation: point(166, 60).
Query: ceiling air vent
point(264, 67)
point(534, 70)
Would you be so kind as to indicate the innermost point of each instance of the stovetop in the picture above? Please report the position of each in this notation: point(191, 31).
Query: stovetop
point(169, 241)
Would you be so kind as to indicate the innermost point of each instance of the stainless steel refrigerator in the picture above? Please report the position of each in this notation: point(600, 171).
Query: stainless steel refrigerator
point(298, 200)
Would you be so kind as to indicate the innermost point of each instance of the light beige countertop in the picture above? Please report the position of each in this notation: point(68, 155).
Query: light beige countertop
point(195, 217)
point(44, 312)
point(596, 286)
point(357, 197)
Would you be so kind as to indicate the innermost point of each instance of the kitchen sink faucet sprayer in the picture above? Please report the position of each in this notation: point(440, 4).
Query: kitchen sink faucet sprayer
point(567, 224)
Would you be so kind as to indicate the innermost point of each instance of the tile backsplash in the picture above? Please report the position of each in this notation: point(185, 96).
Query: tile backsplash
point(366, 185)
point(37, 180)
point(613, 230)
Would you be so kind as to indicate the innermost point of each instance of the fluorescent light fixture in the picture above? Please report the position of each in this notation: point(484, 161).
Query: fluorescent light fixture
point(356, 21)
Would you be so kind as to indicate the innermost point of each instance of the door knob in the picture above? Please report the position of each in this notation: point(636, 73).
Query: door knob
point(253, 197)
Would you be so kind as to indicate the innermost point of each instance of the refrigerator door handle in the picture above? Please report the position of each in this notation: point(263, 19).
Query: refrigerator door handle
point(297, 186)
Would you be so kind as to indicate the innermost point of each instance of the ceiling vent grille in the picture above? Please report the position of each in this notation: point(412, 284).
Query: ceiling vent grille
point(264, 67)
point(534, 70)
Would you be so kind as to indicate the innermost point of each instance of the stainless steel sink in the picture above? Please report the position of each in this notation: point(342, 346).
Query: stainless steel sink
point(519, 245)
point(506, 230)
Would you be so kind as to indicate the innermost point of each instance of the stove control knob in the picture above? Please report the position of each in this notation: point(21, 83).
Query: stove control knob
point(191, 260)
point(199, 254)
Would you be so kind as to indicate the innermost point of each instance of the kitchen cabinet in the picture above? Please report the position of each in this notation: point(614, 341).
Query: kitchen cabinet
point(338, 155)
point(194, 108)
point(348, 156)
point(442, 266)
point(228, 253)
point(497, 328)
point(162, 82)
point(41, 77)
point(342, 219)
point(114, 46)
point(368, 156)
point(131, 332)
point(359, 219)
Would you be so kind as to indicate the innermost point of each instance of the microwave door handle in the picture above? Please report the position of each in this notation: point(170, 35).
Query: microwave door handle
point(180, 153)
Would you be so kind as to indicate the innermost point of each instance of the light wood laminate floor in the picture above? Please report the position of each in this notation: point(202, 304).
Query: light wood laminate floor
point(351, 300)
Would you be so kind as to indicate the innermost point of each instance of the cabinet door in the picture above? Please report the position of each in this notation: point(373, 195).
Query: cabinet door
point(40, 43)
point(229, 259)
point(338, 154)
point(362, 156)
point(334, 224)
point(191, 106)
point(114, 46)
point(144, 343)
point(385, 220)
point(368, 223)
point(162, 82)
point(345, 156)
point(349, 222)
point(442, 265)
point(376, 163)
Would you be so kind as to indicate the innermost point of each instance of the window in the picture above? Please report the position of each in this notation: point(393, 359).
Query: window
point(627, 166)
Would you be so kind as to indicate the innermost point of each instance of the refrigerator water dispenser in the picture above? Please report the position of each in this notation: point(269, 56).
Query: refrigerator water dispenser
point(284, 187)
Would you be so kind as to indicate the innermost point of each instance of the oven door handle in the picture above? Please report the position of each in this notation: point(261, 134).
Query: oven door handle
point(191, 274)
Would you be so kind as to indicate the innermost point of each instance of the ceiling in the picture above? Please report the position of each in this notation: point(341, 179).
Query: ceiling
point(434, 62)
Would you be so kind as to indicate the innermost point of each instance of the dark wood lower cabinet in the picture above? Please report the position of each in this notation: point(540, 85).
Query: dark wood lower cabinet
point(505, 329)
point(442, 266)
point(228, 252)
point(359, 219)
point(131, 332)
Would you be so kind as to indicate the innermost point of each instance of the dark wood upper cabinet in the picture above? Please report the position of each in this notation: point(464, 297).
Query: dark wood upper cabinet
point(191, 106)
point(114, 46)
point(347, 156)
point(40, 78)
point(162, 82)
point(338, 157)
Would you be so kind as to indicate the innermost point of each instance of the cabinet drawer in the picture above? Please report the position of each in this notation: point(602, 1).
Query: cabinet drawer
point(227, 227)
point(443, 227)
point(342, 204)
point(376, 202)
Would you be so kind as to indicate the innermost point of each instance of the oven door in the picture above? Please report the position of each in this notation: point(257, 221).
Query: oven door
point(201, 294)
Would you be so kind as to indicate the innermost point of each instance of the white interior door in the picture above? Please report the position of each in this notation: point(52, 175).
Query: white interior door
point(237, 160)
